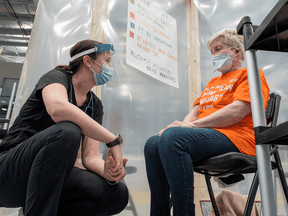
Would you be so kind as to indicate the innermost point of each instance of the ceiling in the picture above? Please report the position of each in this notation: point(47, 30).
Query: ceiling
point(16, 21)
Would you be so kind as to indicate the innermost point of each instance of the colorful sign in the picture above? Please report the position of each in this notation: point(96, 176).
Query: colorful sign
point(151, 42)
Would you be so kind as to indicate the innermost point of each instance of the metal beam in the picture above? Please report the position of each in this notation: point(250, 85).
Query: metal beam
point(20, 2)
point(14, 54)
point(21, 17)
point(14, 31)
point(4, 37)
point(36, 2)
point(9, 43)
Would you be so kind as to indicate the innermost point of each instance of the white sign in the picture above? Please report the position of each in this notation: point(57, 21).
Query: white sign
point(151, 42)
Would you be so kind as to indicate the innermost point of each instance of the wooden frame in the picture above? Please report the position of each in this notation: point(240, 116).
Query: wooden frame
point(99, 14)
point(200, 190)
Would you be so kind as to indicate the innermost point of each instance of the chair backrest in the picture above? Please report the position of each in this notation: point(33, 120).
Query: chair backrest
point(272, 109)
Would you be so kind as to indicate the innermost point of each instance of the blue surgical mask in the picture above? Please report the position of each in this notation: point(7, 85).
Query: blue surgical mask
point(221, 61)
point(105, 75)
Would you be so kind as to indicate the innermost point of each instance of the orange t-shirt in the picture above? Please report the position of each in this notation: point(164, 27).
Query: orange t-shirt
point(222, 91)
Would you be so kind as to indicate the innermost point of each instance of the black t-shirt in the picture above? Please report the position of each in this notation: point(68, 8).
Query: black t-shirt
point(33, 116)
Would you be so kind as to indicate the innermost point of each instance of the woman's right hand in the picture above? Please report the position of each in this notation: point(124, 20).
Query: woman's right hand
point(116, 152)
point(110, 171)
point(108, 164)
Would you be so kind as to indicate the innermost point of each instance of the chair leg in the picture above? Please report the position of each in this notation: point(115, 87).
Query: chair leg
point(211, 194)
point(132, 205)
point(281, 175)
point(251, 195)
point(170, 203)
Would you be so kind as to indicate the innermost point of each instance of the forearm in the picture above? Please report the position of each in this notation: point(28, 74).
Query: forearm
point(193, 115)
point(224, 117)
point(94, 164)
point(68, 112)
point(79, 162)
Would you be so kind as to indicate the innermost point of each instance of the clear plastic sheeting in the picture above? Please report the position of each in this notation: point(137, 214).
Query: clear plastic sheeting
point(58, 25)
point(138, 106)
point(135, 105)
point(215, 15)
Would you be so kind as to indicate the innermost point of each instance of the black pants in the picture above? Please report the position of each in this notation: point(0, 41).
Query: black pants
point(39, 175)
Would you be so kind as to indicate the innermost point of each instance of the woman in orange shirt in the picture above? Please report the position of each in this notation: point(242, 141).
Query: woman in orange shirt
point(220, 122)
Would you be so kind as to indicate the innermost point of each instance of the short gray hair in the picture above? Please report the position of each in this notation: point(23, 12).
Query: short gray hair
point(232, 39)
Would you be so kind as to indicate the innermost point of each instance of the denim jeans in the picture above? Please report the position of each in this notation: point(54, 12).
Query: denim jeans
point(169, 166)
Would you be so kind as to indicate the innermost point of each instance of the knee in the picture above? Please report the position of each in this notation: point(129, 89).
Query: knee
point(171, 133)
point(171, 140)
point(151, 146)
point(170, 136)
point(68, 133)
point(69, 128)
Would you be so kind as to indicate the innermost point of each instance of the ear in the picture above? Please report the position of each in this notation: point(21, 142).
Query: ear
point(87, 61)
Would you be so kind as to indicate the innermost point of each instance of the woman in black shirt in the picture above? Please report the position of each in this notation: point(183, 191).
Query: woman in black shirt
point(49, 160)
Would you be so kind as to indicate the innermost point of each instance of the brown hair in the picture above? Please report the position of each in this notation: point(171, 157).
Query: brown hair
point(78, 48)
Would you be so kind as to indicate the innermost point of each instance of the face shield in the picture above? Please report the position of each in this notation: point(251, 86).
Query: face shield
point(116, 63)
point(97, 49)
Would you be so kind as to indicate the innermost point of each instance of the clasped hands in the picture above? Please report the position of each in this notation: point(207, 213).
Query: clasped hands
point(114, 171)
point(177, 124)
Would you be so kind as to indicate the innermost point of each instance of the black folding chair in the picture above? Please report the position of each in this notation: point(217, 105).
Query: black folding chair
point(237, 164)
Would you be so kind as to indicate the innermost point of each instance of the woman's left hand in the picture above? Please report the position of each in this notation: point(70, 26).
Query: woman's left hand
point(175, 124)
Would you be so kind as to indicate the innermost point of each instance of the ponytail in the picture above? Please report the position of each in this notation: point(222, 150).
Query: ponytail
point(64, 67)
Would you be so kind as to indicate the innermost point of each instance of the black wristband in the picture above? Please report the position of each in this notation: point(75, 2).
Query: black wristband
point(115, 142)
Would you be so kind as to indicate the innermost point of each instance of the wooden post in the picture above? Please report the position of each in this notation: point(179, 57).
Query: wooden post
point(200, 191)
point(194, 54)
point(99, 14)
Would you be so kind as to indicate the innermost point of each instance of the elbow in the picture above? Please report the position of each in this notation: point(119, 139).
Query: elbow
point(239, 115)
point(55, 116)
point(240, 110)
point(87, 162)
point(57, 113)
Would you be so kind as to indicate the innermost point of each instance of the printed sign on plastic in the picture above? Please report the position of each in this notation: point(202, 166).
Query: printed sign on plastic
point(151, 42)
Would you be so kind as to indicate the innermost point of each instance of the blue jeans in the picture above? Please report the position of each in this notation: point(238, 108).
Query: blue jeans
point(169, 165)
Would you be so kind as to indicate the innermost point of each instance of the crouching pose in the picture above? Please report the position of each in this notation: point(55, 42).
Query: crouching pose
point(49, 160)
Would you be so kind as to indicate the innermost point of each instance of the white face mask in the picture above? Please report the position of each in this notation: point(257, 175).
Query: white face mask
point(221, 62)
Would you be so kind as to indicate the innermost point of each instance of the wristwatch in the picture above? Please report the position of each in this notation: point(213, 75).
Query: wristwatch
point(115, 142)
